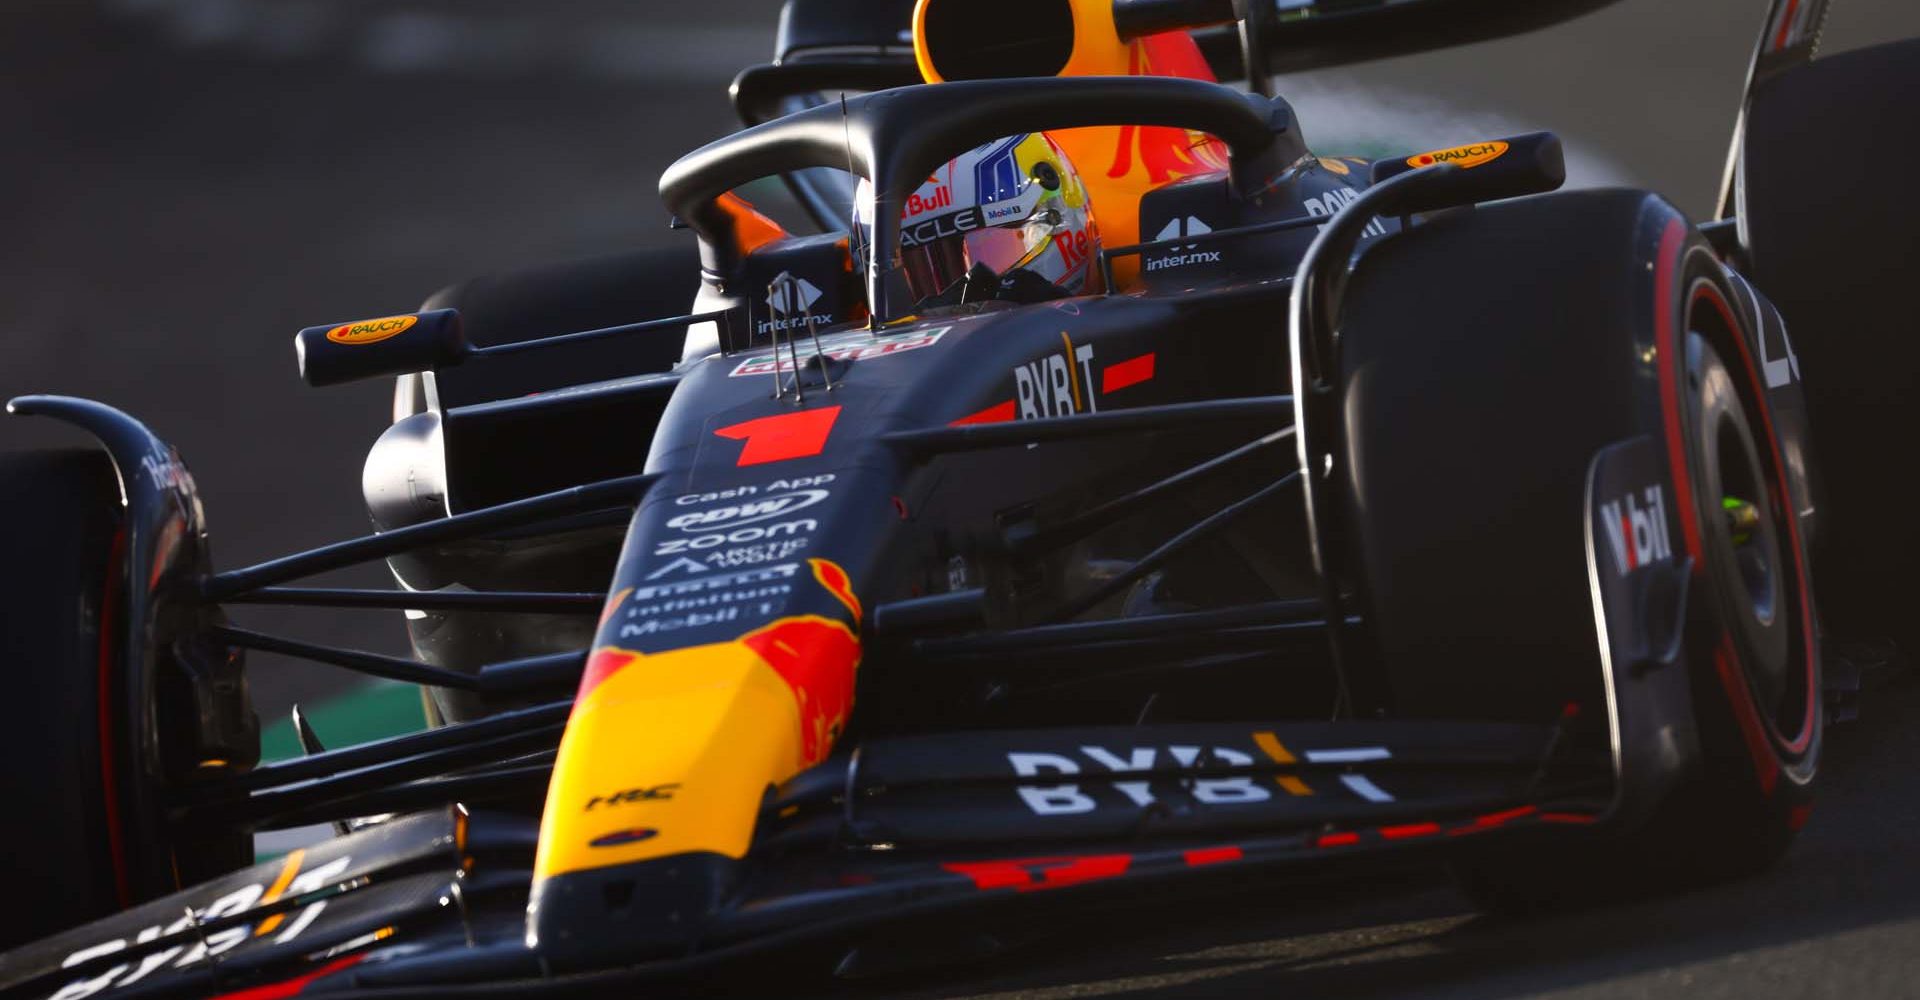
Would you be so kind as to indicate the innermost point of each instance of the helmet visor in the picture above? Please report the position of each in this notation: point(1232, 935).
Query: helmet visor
point(932, 267)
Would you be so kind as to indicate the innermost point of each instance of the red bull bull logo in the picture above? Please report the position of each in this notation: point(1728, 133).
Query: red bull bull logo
point(835, 579)
point(1162, 153)
point(817, 658)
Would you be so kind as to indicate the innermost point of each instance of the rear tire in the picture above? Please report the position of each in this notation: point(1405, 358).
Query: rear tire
point(1835, 255)
point(60, 551)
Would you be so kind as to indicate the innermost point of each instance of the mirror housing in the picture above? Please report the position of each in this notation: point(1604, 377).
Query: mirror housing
point(390, 345)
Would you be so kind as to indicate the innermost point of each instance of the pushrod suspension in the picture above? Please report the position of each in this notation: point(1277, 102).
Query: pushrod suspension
point(1213, 522)
point(509, 677)
point(328, 557)
point(1032, 540)
point(414, 796)
point(1180, 626)
point(445, 746)
point(531, 602)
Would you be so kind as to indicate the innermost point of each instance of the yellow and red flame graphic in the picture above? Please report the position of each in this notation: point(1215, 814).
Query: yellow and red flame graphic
point(1165, 154)
point(817, 659)
point(835, 579)
point(720, 721)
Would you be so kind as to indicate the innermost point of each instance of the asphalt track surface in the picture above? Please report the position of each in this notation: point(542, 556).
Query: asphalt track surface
point(184, 183)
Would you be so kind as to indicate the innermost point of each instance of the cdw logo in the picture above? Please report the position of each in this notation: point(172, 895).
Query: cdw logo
point(1637, 532)
point(746, 511)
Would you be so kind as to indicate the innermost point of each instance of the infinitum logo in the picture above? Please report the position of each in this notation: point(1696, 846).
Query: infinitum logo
point(789, 304)
point(1189, 254)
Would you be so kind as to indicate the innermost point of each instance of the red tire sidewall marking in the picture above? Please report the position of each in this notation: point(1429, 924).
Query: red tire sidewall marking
point(1758, 733)
point(1783, 500)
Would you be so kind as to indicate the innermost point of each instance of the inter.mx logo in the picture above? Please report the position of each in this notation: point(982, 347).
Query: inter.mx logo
point(1636, 530)
point(1189, 226)
point(789, 303)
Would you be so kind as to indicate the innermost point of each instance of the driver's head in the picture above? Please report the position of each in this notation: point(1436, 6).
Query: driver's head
point(1015, 207)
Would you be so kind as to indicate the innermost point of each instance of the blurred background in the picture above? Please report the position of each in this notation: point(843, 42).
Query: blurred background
point(185, 183)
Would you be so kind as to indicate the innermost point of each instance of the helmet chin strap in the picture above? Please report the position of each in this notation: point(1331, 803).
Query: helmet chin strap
point(983, 284)
point(980, 284)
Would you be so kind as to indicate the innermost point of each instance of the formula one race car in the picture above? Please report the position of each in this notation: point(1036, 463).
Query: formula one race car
point(790, 593)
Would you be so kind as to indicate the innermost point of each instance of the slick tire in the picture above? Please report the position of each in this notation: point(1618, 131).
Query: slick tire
point(1487, 358)
point(1836, 256)
point(61, 515)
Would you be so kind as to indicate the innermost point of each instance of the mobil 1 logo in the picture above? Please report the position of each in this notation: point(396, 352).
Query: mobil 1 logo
point(1627, 508)
point(1631, 560)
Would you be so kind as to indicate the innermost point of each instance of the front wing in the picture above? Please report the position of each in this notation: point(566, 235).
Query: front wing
point(947, 826)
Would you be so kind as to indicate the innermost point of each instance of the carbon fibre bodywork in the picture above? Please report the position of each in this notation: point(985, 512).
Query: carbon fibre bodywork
point(891, 627)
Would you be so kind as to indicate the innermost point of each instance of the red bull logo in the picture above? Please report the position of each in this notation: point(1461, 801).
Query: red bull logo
point(603, 663)
point(817, 658)
point(835, 579)
point(941, 197)
point(1166, 153)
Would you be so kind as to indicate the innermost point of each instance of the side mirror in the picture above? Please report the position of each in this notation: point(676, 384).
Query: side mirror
point(390, 345)
point(1493, 168)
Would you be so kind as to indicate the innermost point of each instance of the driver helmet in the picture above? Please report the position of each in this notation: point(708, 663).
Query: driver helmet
point(1015, 207)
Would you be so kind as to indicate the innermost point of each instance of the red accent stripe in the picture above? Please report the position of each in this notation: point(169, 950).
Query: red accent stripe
point(800, 434)
point(1577, 819)
point(1726, 663)
point(1409, 830)
point(603, 663)
point(1212, 856)
point(1034, 874)
point(1666, 344)
point(1780, 37)
point(1339, 839)
point(1493, 820)
point(1783, 500)
point(116, 836)
point(998, 413)
point(1132, 371)
point(1797, 817)
point(290, 987)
